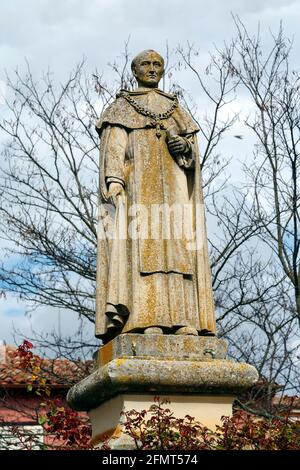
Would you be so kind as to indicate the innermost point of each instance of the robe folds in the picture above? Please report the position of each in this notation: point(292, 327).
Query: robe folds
point(152, 260)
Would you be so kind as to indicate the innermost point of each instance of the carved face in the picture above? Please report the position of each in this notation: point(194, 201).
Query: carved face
point(149, 69)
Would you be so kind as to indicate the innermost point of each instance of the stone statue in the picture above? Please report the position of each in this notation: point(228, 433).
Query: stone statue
point(154, 297)
point(156, 279)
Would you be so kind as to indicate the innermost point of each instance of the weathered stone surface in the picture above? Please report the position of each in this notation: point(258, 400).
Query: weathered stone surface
point(133, 375)
point(153, 266)
point(190, 371)
point(193, 348)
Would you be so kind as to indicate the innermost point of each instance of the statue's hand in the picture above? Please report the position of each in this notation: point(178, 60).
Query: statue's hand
point(177, 146)
point(115, 191)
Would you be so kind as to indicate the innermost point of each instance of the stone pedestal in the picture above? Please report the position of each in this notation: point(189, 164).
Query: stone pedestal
point(190, 371)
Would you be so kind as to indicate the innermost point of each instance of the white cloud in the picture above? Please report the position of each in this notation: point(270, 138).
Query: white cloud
point(13, 318)
point(58, 34)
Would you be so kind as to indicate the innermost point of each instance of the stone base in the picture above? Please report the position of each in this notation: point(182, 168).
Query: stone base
point(190, 371)
point(106, 422)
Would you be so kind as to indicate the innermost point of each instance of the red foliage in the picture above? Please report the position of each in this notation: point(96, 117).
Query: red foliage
point(247, 431)
point(24, 354)
point(64, 427)
point(158, 429)
point(68, 426)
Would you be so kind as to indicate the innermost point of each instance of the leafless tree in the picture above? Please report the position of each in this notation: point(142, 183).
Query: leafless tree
point(255, 251)
point(48, 185)
point(271, 339)
point(49, 191)
point(274, 174)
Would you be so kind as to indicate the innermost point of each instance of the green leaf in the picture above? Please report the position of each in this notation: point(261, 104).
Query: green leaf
point(42, 420)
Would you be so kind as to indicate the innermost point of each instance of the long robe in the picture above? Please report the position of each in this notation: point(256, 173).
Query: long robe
point(163, 279)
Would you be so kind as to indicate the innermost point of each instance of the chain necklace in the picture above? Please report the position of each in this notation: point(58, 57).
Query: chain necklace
point(156, 117)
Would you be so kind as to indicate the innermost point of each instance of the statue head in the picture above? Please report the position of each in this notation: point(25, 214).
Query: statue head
point(148, 68)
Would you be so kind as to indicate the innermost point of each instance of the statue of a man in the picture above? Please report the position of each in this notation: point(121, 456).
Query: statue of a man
point(151, 281)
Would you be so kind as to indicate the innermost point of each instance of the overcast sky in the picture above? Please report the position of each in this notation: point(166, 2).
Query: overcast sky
point(56, 34)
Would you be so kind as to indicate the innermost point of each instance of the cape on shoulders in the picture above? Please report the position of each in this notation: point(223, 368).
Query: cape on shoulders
point(124, 114)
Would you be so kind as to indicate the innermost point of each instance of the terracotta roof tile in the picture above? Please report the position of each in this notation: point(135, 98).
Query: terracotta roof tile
point(57, 372)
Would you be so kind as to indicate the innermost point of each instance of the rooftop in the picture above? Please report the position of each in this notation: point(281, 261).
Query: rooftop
point(59, 373)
